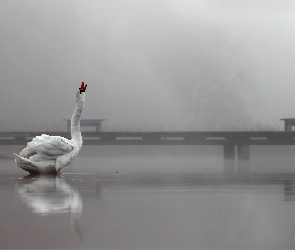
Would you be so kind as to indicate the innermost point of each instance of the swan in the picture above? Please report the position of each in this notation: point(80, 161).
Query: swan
point(50, 154)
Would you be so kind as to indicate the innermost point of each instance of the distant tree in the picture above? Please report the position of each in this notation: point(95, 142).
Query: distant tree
point(209, 73)
point(206, 71)
point(198, 69)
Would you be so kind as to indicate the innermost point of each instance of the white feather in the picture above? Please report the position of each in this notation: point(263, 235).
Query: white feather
point(50, 145)
point(48, 154)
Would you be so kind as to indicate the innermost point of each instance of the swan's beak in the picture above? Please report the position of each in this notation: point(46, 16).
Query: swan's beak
point(82, 88)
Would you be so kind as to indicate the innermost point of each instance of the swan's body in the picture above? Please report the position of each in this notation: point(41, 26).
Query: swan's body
point(49, 154)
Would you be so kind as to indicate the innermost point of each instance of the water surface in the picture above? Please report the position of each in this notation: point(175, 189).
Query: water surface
point(131, 204)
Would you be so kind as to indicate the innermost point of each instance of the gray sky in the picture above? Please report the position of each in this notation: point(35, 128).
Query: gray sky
point(150, 65)
point(265, 32)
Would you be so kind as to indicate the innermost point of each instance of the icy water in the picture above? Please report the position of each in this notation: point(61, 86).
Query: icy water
point(151, 200)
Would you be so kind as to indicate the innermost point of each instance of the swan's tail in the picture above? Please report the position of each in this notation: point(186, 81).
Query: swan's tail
point(26, 164)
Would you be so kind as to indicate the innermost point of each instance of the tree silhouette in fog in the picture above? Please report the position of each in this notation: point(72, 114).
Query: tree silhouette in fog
point(148, 44)
point(145, 66)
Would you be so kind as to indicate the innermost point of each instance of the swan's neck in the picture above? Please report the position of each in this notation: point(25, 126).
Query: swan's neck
point(75, 123)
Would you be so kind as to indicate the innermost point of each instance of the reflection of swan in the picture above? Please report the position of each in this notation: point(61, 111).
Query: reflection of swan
point(47, 194)
point(48, 154)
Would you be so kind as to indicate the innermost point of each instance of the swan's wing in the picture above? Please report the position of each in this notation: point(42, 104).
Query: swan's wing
point(28, 165)
point(50, 145)
point(44, 167)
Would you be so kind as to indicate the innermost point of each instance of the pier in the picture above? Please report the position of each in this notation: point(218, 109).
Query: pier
point(235, 144)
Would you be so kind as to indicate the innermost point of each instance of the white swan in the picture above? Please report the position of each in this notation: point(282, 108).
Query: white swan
point(49, 154)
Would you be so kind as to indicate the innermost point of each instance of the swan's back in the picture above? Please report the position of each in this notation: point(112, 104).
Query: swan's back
point(50, 145)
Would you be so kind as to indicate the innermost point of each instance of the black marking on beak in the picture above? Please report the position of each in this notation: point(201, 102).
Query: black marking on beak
point(83, 90)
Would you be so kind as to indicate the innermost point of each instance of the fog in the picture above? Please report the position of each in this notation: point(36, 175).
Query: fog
point(149, 64)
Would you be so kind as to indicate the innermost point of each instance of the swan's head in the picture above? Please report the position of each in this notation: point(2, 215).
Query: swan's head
point(80, 95)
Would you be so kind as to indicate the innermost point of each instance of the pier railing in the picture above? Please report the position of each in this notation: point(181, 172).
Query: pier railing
point(161, 138)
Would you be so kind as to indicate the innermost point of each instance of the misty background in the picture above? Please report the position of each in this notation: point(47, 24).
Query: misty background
point(149, 64)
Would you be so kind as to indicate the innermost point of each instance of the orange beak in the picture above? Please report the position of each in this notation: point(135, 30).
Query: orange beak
point(82, 88)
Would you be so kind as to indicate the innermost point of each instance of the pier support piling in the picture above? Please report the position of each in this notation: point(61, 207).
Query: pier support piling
point(229, 160)
point(243, 160)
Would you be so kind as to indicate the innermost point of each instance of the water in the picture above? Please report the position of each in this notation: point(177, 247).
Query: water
point(149, 202)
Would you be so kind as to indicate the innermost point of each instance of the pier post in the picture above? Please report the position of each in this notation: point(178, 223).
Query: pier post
point(229, 160)
point(243, 160)
point(288, 189)
point(98, 189)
